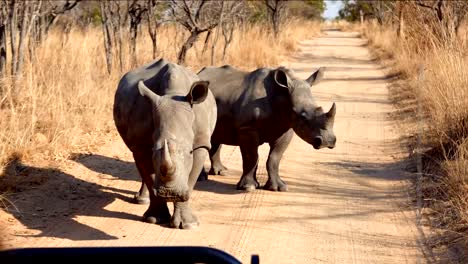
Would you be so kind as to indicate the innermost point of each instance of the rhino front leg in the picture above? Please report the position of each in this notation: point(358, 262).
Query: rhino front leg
point(248, 143)
point(158, 212)
point(142, 196)
point(183, 216)
point(217, 168)
point(277, 148)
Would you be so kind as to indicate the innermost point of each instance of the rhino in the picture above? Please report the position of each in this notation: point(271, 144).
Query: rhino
point(166, 115)
point(265, 106)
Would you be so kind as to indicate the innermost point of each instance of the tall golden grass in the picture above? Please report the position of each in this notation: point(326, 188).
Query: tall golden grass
point(64, 100)
point(442, 92)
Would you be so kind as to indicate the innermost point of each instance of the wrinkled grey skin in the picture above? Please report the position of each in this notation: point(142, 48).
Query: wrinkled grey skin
point(166, 115)
point(265, 106)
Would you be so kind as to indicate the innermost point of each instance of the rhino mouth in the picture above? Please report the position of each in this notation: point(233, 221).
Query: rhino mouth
point(317, 142)
point(172, 194)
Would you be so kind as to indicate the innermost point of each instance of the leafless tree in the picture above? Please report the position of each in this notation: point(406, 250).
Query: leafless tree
point(3, 39)
point(3, 47)
point(196, 16)
point(154, 20)
point(449, 14)
point(107, 33)
point(30, 12)
point(51, 10)
point(236, 14)
point(136, 11)
point(277, 10)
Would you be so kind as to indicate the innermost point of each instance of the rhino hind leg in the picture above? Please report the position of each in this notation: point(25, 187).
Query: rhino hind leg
point(277, 149)
point(248, 143)
point(217, 167)
point(157, 212)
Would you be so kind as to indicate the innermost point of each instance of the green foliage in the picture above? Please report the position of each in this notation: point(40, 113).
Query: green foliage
point(96, 16)
point(370, 8)
point(309, 9)
point(258, 12)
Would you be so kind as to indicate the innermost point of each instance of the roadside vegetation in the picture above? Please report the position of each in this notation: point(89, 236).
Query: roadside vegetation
point(59, 74)
point(425, 44)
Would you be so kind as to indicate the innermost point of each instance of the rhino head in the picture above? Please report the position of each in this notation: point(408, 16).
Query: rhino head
point(309, 121)
point(173, 138)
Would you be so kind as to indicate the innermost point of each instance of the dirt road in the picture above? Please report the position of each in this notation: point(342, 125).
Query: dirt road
point(345, 205)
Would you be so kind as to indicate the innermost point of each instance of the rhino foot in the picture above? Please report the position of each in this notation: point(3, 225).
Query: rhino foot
point(276, 185)
point(203, 176)
point(157, 214)
point(247, 184)
point(141, 198)
point(218, 170)
point(183, 217)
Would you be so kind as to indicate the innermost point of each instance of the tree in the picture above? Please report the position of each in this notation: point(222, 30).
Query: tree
point(370, 9)
point(136, 11)
point(196, 16)
point(277, 10)
point(307, 9)
point(154, 19)
point(449, 14)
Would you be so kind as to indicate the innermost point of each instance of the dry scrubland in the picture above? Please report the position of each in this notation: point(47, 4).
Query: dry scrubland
point(441, 90)
point(64, 100)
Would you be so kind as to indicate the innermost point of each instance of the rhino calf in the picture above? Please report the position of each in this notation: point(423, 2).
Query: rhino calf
point(165, 115)
point(265, 106)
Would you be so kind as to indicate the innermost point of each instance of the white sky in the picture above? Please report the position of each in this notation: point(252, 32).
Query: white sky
point(331, 11)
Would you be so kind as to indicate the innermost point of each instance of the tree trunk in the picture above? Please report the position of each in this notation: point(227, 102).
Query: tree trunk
point(153, 32)
point(401, 22)
point(361, 14)
point(133, 38)
point(218, 32)
point(187, 45)
point(107, 37)
point(227, 39)
point(3, 54)
point(22, 40)
point(205, 44)
point(154, 44)
point(13, 29)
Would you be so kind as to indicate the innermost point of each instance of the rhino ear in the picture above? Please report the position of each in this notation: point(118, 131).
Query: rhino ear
point(198, 92)
point(315, 77)
point(281, 78)
point(145, 91)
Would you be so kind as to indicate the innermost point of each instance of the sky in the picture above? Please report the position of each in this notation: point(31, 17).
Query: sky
point(331, 11)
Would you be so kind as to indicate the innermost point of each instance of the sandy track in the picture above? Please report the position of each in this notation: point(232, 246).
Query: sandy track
point(346, 205)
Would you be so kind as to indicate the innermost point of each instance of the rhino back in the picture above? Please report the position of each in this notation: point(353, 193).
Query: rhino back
point(244, 100)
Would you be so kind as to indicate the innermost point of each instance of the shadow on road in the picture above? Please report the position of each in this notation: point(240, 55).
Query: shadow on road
point(120, 169)
point(51, 201)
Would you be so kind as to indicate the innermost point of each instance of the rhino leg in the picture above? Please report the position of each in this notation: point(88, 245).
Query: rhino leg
point(158, 212)
point(217, 168)
point(277, 148)
point(248, 143)
point(142, 196)
point(183, 216)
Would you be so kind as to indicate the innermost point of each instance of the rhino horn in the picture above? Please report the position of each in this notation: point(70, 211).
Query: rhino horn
point(145, 91)
point(167, 167)
point(332, 111)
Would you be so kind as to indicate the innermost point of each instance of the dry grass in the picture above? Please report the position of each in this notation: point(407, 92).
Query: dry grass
point(442, 91)
point(64, 100)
